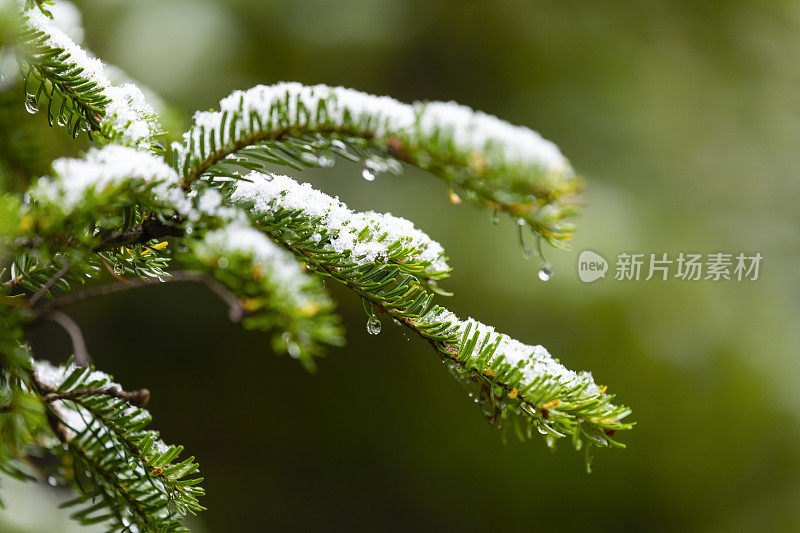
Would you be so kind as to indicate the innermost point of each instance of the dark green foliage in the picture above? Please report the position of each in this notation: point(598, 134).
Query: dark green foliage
point(122, 212)
point(55, 83)
point(125, 475)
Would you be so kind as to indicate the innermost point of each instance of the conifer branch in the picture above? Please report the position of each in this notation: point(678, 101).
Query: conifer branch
point(139, 398)
point(518, 383)
point(134, 478)
point(506, 168)
point(74, 87)
point(261, 242)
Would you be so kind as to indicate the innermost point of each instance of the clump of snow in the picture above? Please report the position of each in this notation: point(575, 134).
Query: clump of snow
point(287, 105)
point(53, 376)
point(209, 202)
point(476, 131)
point(127, 112)
point(533, 361)
point(130, 114)
point(279, 267)
point(99, 170)
point(75, 417)
point(270, 193)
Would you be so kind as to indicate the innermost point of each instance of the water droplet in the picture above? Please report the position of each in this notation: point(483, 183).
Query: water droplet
point(367, 174)
point(526, 252)
point(325, 161)
point(394, 166)
point(376, 165)
point(294, 349)
point(545, 271)
point(495, 218)
point(373, 326)
point(310, 159)
point(52, 481)
point(30, 104)
point(222, 262)
point(454, 198)
point(588, 461)
point(521, 221)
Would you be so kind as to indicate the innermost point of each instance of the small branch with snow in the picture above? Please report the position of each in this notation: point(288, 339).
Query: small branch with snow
point(139, 398)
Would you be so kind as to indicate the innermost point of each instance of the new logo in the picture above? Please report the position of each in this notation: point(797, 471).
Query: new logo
point(591, 266)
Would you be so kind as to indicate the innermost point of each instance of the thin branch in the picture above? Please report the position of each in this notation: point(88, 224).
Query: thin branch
point(139, 398)
point(50, 283)
point(150, 228)
point(236, 310)
point(82, 357)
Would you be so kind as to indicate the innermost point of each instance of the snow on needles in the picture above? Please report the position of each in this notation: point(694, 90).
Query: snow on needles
point(533, 361)
point(293, 105)
point(280, 267)
point(127, 112)
point(53, 376)
point(76, 418)
point(270, 193)
point(98, 170)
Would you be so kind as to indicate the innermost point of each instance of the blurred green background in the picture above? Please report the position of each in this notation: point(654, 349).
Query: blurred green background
point(685, 120)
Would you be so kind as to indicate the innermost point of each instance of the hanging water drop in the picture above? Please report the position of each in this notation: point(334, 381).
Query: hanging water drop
point(526, 252)
point(373, 325)
point(52, 481)
point(30, 104)
point(495, 218)
point(325, 161)
point(368, 175)
point(545, 271)
point(293, 349)
point(454, 198)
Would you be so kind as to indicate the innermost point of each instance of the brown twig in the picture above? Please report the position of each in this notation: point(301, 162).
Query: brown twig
point(50, 283)
point(236, 310)
point(150, 228)
point(139, 398)
point(81, 354)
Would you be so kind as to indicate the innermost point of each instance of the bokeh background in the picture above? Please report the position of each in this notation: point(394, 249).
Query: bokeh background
point(685, 120)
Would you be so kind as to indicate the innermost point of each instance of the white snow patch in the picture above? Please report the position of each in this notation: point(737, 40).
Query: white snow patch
point(280, 268)
point(100, 169)
point(273, 192)
point(379, 116)
point(127, 112)
point(535, 361)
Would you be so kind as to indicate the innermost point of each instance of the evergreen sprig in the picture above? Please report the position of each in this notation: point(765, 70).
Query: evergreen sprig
point(506, 168)
point(54, 82)
point(212, 214)
point(124, 473)
point(396, 285)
